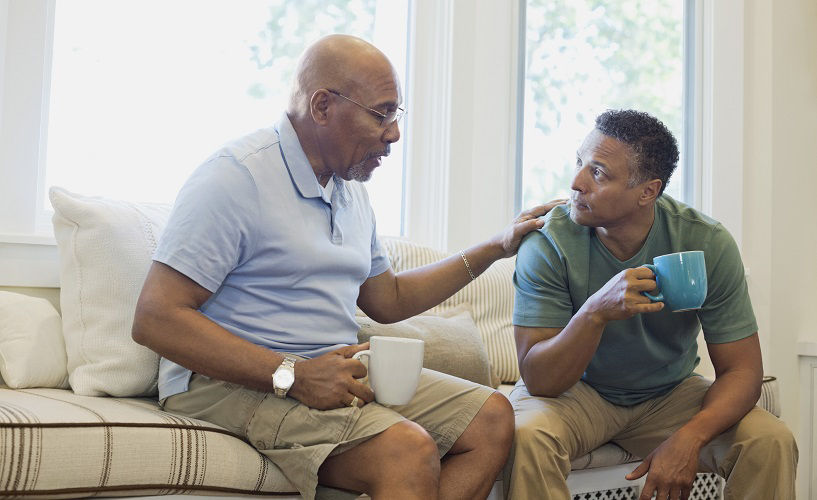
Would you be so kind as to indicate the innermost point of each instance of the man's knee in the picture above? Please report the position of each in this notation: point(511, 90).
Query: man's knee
point(774, 442)
point(534, 438)
point(409, 445)
point(496, 415)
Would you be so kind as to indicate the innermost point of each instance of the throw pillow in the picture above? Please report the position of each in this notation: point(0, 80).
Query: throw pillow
point(105, 250)
point(32, 350)
point(452, 342)
point(490, 297)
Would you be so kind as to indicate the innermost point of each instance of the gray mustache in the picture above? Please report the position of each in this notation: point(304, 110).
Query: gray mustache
point(383, 153)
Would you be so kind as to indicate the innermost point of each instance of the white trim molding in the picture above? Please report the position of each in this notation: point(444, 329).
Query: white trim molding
point(428, 122)
point(29, 262)
point(721, 107)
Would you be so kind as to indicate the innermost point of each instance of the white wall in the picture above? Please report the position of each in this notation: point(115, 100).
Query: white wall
point(780, 231)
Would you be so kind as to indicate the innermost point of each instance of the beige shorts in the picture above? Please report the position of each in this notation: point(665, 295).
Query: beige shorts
point(298, 438)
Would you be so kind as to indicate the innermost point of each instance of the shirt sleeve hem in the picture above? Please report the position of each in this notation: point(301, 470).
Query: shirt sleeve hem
point(208, 283)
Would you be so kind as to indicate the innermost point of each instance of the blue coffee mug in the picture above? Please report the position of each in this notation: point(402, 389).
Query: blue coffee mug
point(681, 280)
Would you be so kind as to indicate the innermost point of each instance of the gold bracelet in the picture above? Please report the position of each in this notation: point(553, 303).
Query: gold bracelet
point(467, 266)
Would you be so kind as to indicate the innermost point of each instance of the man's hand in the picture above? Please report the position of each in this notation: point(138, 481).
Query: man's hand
point(621, 297)
point(524, 223)
point(670, 469)
point(329, 381)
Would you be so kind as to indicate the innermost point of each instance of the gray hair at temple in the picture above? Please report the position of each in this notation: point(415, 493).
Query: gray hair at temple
point(654, 149)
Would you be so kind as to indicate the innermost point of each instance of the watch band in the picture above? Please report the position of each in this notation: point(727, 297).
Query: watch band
point(287, 364)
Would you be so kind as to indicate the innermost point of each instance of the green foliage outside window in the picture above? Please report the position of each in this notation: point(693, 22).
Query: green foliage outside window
point(585, 56)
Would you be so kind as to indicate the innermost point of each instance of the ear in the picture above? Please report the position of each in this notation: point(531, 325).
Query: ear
point(319, 106)
point(650, 191)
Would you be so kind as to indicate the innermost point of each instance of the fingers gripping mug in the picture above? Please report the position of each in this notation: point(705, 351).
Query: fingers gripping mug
point(681, 280)
point(394, 368)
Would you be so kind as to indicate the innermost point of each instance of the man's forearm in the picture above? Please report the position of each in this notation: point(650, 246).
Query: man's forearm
point(729, 399)
point(554, 365)
point(190, 339)
point(422, 288)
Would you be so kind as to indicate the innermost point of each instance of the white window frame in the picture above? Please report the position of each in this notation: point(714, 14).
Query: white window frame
point(462, 138)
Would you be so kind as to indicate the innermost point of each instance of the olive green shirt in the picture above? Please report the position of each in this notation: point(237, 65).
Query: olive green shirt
point(562, 264)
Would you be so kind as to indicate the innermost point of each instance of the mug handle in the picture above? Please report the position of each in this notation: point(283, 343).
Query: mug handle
point(360, 354)
point(660, 296)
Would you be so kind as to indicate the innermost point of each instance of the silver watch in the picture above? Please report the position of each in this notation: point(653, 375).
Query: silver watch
point(284, 376)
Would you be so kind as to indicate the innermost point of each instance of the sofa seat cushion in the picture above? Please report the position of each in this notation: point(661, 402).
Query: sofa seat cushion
point(56, 444)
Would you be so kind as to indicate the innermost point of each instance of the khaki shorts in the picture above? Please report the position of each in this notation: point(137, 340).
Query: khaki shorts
point(298, 438)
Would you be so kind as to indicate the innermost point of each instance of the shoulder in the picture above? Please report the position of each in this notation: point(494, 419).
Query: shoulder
point(555, 239)
point(689, 223)
point(559, 230)
point(258, 143)
point(680, 213)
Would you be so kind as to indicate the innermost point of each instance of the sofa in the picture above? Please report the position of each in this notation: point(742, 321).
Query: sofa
point(78, 398)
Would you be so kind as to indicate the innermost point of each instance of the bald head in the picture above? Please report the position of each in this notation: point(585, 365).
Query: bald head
point(341, 62)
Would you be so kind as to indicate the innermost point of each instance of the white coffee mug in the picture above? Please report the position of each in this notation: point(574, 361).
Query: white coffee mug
point(394, 368)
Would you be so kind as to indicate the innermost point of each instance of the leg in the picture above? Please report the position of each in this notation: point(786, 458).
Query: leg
point(549, 433)
point(471, 467)
point(382, 466)
point(743, 454)
point(758, 458)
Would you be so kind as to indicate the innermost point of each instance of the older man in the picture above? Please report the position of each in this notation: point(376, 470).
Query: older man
point(600, 362)
point(251, 299)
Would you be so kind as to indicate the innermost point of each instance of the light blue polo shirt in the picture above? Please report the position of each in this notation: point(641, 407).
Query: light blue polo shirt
point(283, 257)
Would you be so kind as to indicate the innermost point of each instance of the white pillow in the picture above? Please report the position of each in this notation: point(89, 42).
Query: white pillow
point(105, 249)
point(32, 351)
point(490, 297)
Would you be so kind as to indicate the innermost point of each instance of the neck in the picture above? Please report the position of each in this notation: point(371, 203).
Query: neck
point(305, 130)
point(624, 240)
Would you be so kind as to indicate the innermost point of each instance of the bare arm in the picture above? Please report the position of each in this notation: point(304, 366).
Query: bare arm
point(551, 360)
point(391, 297)
point(738, 375)
point(167, 320)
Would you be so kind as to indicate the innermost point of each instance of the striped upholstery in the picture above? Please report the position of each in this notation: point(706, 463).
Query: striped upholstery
point(55, 444)
point(490, 297)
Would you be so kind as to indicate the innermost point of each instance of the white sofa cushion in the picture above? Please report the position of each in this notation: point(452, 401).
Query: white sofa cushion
point(32, 350)
point(105, 250)
point(452, 342)
point(490, 297)
point(70, 446)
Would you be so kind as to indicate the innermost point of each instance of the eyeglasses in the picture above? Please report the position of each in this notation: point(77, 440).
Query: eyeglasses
point(386, 119)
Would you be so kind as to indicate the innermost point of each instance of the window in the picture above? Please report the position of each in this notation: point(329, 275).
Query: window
point(585, 56)
point(142, 92)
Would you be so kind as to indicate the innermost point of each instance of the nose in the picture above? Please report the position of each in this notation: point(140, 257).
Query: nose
point(578, 183)
point(392, 133)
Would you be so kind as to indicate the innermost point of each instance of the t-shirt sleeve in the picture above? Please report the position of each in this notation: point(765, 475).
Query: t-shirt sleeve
point(542, 296)
point(211, 229)
point(726, 315)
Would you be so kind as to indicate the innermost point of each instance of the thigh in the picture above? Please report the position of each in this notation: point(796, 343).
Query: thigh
point(444, 406)
point(756, 434)
point(579, 418)
point(657, 419)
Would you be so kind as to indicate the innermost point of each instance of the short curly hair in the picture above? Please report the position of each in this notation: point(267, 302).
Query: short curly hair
point(655, 150)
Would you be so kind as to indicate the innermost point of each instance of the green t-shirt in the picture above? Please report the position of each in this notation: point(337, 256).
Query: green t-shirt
point(562, 264)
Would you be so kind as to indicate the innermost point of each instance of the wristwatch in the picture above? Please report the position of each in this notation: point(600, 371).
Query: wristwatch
point(284, 376)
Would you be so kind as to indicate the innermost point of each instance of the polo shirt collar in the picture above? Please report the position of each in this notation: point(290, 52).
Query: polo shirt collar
point(295, 160)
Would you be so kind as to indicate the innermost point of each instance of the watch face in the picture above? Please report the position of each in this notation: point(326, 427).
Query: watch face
point(283, 379)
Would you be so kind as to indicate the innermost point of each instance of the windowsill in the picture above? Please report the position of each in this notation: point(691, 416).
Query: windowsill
point(807, 348)
point(28, 239)
point(29, 260)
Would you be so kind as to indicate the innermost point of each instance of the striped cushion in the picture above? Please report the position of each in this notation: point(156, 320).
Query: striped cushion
point(56, 444)
point(490, 297)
